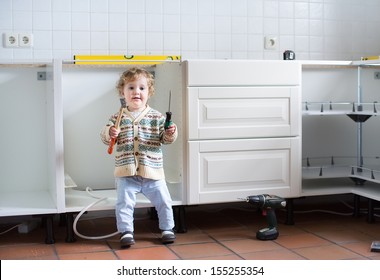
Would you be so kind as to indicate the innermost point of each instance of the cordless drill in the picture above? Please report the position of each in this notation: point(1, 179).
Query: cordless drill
point(267, 203)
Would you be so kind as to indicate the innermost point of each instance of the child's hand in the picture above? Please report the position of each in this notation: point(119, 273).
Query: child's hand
point(114, 132)
point(170, 130)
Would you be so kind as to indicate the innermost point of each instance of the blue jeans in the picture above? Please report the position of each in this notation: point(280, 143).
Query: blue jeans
point(155, 190)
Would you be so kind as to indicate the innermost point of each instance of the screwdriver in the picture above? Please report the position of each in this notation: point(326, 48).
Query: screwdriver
point(117, 123)
point(168, 121)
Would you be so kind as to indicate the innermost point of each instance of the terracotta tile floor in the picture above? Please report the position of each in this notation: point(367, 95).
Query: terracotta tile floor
point(215, 232)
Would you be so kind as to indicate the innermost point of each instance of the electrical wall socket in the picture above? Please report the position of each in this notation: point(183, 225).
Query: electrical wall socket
point(270, 43)
point(16, 40)
point(10, 40)
point(25, 40)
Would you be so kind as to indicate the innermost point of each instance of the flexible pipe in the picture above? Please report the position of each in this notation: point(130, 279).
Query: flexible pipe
point(100, 199)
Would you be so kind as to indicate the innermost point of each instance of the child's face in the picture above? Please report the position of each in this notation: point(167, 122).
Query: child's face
point(136, 94)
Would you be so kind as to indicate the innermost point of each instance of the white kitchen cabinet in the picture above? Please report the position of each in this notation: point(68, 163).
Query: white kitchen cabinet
point(50, 146)
point(62, 153)
point(243, 129)
point(247, 110)
point(89, 99)
point(340, 125)
point(239, 125)
point(31, 173)
point(31, 178)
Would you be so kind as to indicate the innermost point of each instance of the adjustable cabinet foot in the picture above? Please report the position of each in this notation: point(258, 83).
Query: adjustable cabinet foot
point(47, 221)
point(356, 206)
point(153, 213)
point(70, 236)
point(62, 219)
point(289, 212)
point(371, 215)
point(180, 219)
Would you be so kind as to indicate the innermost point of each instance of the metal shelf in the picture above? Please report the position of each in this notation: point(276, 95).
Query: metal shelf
point(356, 111)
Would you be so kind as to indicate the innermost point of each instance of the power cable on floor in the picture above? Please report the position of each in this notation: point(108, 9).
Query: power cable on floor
point(4, 232)
point(85, 209)
point(218, 209)
point(334, 212)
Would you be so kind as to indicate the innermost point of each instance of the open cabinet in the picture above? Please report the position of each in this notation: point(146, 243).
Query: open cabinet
point(239, 134)
point(31, 181)
point(285, 128)
point(51, 118)
point(340, 128)
point(89, 99)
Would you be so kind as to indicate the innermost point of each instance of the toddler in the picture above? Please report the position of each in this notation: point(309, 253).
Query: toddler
point(138, 158)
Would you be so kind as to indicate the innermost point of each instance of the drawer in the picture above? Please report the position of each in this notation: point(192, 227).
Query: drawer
point(225, 170)
point(243, 112)
point(242, 72)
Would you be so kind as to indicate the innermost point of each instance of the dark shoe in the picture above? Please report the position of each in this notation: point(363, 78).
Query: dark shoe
point(167, 236)
point(126, 239)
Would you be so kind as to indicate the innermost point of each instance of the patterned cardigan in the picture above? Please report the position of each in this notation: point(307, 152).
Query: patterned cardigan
point(138, 150)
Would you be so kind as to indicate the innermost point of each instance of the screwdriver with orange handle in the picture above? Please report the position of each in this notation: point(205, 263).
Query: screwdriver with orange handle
point(117, 124)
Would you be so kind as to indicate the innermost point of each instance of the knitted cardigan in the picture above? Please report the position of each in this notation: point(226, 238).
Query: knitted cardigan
point(138, 146)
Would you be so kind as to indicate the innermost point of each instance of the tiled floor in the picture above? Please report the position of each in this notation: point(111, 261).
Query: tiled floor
point(215, 232)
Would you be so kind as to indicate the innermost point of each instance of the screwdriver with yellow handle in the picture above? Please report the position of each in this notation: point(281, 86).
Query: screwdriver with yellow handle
point(168, 120)
point(117, 124)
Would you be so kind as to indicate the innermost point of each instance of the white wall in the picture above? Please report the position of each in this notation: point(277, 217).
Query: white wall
point(314, 29)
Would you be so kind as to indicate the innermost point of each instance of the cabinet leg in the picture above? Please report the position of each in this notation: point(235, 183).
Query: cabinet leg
point(370, 215)
point(70, 236)
point(47, 221)
point(180, 219)
point(153, 213)
point(62, 219)
point(356, 205)
point(289, 211)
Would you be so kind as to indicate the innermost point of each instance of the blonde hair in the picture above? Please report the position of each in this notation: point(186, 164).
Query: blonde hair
point(132, 75)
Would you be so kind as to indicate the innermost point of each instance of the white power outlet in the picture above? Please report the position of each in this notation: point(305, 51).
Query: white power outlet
point(270, 43)
point(10, 40)
point(25, 40)
point(16, 40)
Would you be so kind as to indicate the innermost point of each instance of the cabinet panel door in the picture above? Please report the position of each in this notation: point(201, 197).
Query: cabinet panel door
point(243, 112)
point(223, 171)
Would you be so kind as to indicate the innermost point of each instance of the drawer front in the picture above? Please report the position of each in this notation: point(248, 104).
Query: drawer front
point(242, 72)
point(223, 171)
point(243, 112)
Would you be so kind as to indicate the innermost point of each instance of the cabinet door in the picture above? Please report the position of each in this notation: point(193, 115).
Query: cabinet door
point(225, 170)
point(243, 112)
